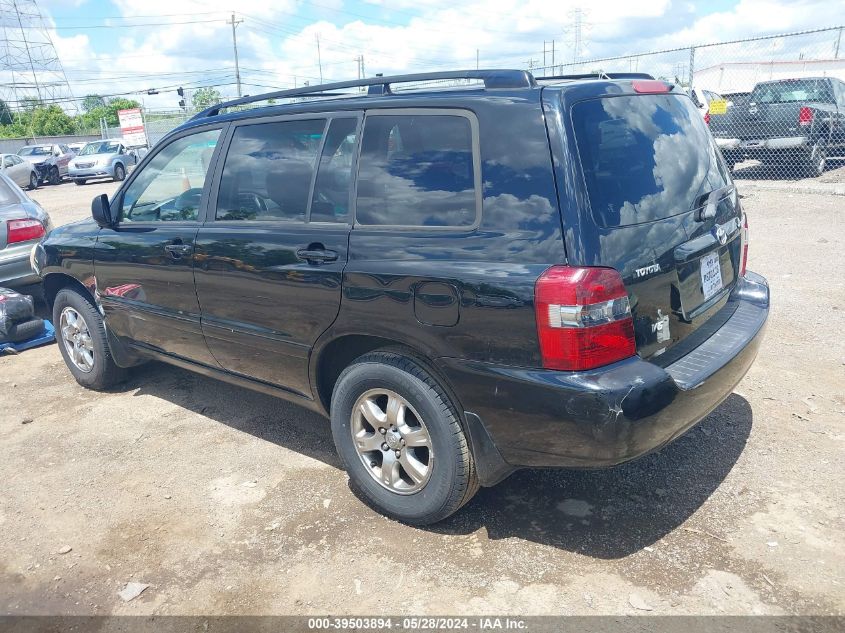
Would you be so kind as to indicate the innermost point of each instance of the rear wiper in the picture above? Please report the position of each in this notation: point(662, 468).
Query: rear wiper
point(706, 203)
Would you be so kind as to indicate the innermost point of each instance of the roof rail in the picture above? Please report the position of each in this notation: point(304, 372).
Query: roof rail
point(599, 75)
point(381, 86)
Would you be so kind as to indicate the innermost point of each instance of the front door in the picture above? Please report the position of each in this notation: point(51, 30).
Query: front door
point(269, 262)
point(144, 265)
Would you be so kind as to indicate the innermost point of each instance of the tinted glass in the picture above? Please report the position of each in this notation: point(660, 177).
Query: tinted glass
point(416, 170)
point(170, 186)
point(7, 196)
point(644, 158)
point(331, 191)
point(268, 171)
point(793, 90)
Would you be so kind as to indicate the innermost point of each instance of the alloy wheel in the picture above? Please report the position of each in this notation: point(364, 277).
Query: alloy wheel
point(392, 441)
point(77, 339)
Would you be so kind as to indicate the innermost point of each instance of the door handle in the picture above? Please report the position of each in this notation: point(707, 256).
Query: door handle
point(178, 249)
point(316, 255)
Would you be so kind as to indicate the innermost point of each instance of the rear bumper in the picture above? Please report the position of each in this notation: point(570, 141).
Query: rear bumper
point(750, 147)
point(16, 266)
point(603, 417)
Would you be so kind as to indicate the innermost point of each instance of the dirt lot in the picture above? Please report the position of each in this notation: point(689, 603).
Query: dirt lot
point(225, 501)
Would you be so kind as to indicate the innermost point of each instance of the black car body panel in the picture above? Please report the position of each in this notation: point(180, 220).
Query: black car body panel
point(282, 304)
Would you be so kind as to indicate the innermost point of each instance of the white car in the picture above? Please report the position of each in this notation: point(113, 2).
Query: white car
point(19, 171)
point(702, 100)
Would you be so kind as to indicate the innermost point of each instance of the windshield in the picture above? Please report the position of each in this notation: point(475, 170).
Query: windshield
point(99, 148)
point(36, 150)
point(644, 157)
point(793, 90)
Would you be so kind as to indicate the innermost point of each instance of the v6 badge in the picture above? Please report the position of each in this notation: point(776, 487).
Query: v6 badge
point(660, 328)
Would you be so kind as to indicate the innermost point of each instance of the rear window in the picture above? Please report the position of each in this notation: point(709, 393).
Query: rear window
point(793, 91)
point(7, 196)
point(645, 157)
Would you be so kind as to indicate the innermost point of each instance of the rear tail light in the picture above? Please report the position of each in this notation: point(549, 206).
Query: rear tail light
point(707, 117)
point(744, 245)
point(805, 116)
point(23, 230)
point(583, 318)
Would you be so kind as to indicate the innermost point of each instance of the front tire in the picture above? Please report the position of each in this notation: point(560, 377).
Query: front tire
point(54, 176)
point(80, 181)
point(398, 435)
point(119, 173)
point(33, 181)
point(82, 340)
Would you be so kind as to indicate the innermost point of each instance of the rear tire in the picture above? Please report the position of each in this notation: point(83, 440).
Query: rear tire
point(433, 473)
point(82, 340)
point(33, 181)
point(815, 160)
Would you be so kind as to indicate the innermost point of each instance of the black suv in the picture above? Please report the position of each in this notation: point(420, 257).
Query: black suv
point(514, 272)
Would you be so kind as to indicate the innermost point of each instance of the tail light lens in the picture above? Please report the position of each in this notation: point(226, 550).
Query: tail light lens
point(744, 245)
point(805, 115)
point(583, 318)
point(23, 230)
point(707, 117)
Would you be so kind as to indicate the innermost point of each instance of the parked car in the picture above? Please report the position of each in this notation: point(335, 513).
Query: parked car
point(20, 171)
point(50, 161)
point(101, 159)
point(466, 281)
point(702, 100)
point(23, 223)
point(791, 123)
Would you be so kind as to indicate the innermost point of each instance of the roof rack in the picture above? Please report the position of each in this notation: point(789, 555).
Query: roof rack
point(599, 75)
point(381, 86)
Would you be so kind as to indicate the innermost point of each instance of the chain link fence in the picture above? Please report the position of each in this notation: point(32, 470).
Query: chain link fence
point(776, 104)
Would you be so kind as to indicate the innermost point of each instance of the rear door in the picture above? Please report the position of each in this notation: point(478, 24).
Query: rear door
point(660, 208)
point(270, 258)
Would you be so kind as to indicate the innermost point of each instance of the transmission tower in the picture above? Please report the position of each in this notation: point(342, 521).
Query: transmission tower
point(30, 68)
point(579, 25)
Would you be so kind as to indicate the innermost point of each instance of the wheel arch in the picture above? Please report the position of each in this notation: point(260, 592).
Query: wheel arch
point(55, 282)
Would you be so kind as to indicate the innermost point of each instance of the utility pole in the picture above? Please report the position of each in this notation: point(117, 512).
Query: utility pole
point(319, 59)
point(234, 23)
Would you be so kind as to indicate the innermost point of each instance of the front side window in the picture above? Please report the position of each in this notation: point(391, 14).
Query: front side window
point(268, 171)
point(417, 170)
point(170, 186)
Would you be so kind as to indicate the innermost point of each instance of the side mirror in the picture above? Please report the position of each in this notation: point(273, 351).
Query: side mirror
point(101, 211)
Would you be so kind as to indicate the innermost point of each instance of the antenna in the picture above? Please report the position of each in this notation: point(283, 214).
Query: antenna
point(30, 69)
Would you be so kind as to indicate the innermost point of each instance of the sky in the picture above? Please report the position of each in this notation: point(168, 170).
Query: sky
point(116, 46)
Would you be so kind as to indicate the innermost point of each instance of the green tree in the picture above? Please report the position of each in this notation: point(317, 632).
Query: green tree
point(51, 121)
point(89, 102)
point(30, 103)
point(205, 98)
point(5, 113)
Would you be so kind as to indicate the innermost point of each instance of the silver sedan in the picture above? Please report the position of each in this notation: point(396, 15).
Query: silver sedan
point(20, 171)
point(23, 224)
point(101, 159)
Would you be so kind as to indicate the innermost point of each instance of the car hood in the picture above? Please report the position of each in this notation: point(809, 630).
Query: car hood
point(36, 160)
point(88, 158)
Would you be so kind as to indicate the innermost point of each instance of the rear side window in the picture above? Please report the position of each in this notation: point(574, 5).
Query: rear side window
point(268, 171)
point(644, 157)
point(418, 170)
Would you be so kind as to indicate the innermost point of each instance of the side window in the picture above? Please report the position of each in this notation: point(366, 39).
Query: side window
point(7, 161)
point(16, 160)
point(417, 170)
point(268, 171)
point(331, 190)
point(170, 187)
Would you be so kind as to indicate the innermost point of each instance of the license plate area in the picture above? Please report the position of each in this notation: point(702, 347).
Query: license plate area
point(710, 269)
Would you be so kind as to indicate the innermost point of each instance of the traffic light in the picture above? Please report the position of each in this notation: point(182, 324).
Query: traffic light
point(181, 103)
point(180, 91)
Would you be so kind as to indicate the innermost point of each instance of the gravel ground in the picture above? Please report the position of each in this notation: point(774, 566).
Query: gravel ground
point(226, 501)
